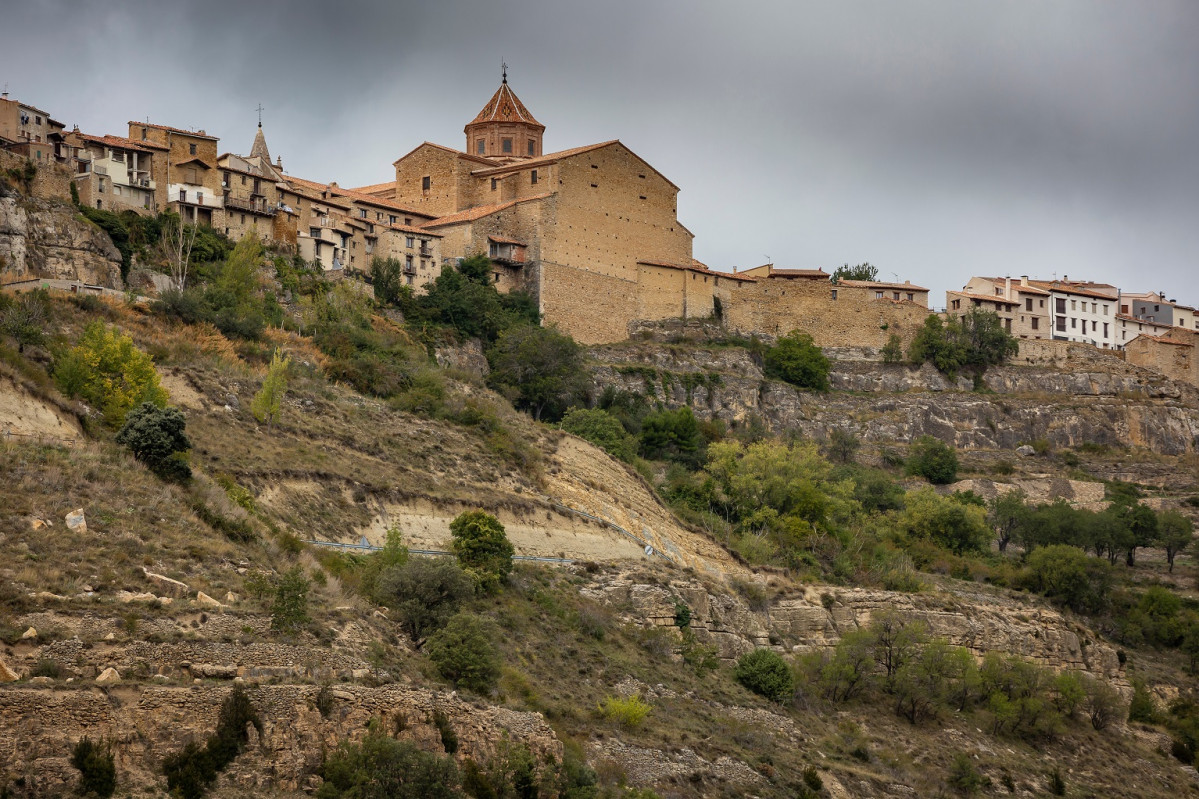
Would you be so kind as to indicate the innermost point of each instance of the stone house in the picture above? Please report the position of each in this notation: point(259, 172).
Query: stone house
point(1021, 306)
point(114, 173)
point(1174, 354)
point(187, 178)
point(28, 131)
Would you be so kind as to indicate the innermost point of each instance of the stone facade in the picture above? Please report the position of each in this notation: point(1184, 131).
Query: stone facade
point(1175, 355)
point(1023, 308)
point(187, 180)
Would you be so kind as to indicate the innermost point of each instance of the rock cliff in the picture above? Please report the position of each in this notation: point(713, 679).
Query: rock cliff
point(40, 239)
point(1099, 400)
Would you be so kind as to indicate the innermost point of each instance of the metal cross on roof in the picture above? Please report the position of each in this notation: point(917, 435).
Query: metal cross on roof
point(259, 109)
point(504, 69)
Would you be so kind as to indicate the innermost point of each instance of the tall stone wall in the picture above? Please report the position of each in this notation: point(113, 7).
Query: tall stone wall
point(1176, 358)
point(52, 181)
point(594, 308)
point(854, 319)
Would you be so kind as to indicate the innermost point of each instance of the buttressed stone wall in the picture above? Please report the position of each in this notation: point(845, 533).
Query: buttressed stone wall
point(854, 319)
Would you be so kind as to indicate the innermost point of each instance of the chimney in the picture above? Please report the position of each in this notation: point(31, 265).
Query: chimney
point(1065, 278)
point(1007, 287)
point(4, 95)
point(1023, 280)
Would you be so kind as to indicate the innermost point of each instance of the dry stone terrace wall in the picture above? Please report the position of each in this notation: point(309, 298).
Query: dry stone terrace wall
point(817, 617)
point(146, 723)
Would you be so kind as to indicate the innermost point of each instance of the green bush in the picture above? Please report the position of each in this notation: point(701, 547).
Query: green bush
point(960, 527)
point(24, 318)
point(964, 776)
point(764, 672)
point(932, 459)
point(1142, 708)
point(1068, 574)
point(628, 712)
point(381, 767)
point(97, 772)
point(463, 654)
point(602, 429)
point(539, 369)
point(672, 435)
point(194, 768)
point(387, 280)
point(483, 548)
point(107, 371)
point(156, 437)
point(289, 611)
point(426, 592)
point(796, 359)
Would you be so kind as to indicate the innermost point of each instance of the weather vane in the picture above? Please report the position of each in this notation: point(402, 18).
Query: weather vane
point(504, 69)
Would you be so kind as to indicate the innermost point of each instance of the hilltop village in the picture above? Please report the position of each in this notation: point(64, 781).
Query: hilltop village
point(590, 232)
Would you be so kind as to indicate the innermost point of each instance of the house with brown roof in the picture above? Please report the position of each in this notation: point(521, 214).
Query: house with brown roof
point(186, 177)
point(1082, 311)
point(115, 173)
point(1022, 307)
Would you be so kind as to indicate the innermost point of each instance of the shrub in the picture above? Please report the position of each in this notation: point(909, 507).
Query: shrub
point(194, 768)
point(426, 592)
point(539, 369)
point(97, 772)
point(628, 712)
point(381, 767)
point(265, 405)
point(964, 776)
point(1068, 574)
point(764, 672)
point(156, 437)
point(394, 553)
point(946, 521)
point(842, 445)
point(25, 319)
point(109, 372)
point(1142, 708)
point(796, 359)
point(672, 435)
point(892, 351)
point(463, 654)
point(387, 279)
point(289, 611)
point(602, 429)
point(932, 459)
point(482, 548)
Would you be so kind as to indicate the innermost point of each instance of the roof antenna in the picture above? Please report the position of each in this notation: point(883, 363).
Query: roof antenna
point(259, 109)
point(504, 68)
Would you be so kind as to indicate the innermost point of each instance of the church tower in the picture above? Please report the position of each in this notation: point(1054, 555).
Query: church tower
point(504, 129)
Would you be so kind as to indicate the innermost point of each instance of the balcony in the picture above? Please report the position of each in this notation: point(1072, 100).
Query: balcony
point(99, 170)
point(249, 206)
point(425, 252)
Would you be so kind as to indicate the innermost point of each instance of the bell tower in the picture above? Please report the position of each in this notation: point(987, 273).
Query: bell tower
point(504, 129)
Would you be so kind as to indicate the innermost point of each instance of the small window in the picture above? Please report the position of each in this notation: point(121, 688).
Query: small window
point(895, 295)
point(533, 177)
point(391, 220)
point(911, 297)
point(191, 149)
point(506, 146)
point(243, 180)
point(410, 242)
point(834, 294)
point(1073, 323)
point(494, 183)
point(1036, 323)
point(407, 220)
point(1028, 303)
point(143, 134)
point(426, 183)
point(480, 146)
point(362, 213)
point(37, 119)
point(595, 185)
point(532, 151)
point(641, 197)
point(878, 295)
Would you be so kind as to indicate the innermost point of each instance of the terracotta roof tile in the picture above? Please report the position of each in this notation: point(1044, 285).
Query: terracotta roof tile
point(875, 284)
point(502, 240)
point(1069, 288)
point(479, 211)
point(982, 297)
point(1002, 281)
point(198, 135)
point(478, 158)
point(700, 268)
point(505, 106)
point(810, 274)
point(123, 143)
point(376, 188)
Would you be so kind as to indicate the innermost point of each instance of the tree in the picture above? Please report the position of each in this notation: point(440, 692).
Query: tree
point(109, 372)
point(964, 776)
point(97, 773)
point(934, 343)
point(538, 369)
point(842, 445)
point(176, 241)
point(1067, 574)
point(892, 351)
point(796, 359)
point(290, 609)
point(426, 592)
point(25, 319)
point(1007, 513)
point(985, 341)
point(860, 272)
point(896, 641)
point(764, 672)
point(602, 429)
point(1175, 534)
point(1137, 527)
point(265, 405)
point(387, 279)
point(672, 435)
point(156, 437)
point(957, 526)
point(932, 459)
point(463, 653)
point(381, 767)
point(482, 548)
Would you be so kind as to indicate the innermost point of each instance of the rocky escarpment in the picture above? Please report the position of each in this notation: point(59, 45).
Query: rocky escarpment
point(40, 239)
point(817, 616)
point(1092, 398)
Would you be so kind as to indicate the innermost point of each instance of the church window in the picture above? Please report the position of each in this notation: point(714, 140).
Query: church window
point(507, 145)
point(426, 182)
point(533, 176)
point(532, 147)
point(480, 146)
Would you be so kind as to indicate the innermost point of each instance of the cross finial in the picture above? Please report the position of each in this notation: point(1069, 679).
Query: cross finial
point(504, 68)
point(259, 109)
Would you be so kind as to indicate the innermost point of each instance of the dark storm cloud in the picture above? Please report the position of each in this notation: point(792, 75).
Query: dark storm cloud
point(934, 139)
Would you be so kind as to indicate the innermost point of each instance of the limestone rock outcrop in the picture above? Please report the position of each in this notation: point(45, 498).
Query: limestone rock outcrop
point(40, 239)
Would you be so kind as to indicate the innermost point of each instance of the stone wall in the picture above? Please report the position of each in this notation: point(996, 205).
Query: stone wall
point(854, 319)
point(593, 307)
point(449, 181)
point(52, 181)
point(1176, 357)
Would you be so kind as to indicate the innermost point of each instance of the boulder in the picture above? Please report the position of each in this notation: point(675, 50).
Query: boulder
point(76, 521)
point(1024, 450)
point(7, 674)
point(109, 676)
point(29, 635)
point(213, 671)
point(205, 601)
point(167, 585)
point(230, 598)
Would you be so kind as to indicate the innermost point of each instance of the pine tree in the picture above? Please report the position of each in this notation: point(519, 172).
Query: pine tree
point(265, 405)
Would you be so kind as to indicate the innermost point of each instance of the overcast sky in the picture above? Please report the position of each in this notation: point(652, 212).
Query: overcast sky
point(933, 139)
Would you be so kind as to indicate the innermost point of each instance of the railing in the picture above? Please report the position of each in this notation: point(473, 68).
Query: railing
point(249, 205)
point(425, 251)
point(99, 170)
